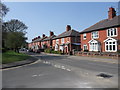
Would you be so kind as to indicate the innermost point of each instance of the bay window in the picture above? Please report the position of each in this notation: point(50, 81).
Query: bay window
point(110, 45)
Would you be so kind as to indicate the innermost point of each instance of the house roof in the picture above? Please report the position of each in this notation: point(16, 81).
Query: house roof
point(103, 24)
point(39, 39)
point(48, 38)
point(68, 34)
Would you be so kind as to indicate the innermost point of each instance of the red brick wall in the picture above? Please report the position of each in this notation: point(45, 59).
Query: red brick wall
point(45, 43)
point(67, 39)
point(102, 37)
point(85, 41)
point(119, 38)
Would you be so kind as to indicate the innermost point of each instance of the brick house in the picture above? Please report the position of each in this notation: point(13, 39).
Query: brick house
point(47, 42)
point(36, 43)
point(103, 36)
point(67, 41)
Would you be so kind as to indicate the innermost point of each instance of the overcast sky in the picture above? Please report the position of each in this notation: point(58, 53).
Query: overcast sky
point(41, 17)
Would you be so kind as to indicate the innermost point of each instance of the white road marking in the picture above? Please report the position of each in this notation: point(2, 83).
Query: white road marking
point(34, 75)
point(40, 75)
point(63, 68)
point(68, 70)
point(57, 66)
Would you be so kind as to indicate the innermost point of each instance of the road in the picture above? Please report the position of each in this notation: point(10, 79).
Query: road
point(57, 71)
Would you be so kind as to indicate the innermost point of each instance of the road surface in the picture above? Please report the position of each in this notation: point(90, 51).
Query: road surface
point(57, 71)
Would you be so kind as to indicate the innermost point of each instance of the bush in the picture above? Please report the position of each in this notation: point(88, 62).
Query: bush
point(52, 51)
point(56, 52)
point(4, 50)
point(118, 51)
point(47, 50)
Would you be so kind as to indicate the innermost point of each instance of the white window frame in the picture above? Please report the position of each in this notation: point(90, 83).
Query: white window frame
point(94, 45)
point(111, 30)
point(93, 34)
point(85, 47)
point(57, 41)
point(84, 36)
point(56, 47)
point(107, 43)
point(62, 40)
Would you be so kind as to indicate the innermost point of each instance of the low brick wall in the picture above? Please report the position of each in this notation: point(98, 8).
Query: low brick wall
point(93, 54)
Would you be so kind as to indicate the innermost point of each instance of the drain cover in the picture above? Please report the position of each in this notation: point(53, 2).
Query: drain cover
point(104, 75)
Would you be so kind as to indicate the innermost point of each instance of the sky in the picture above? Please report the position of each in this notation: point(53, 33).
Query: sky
point(42, 17)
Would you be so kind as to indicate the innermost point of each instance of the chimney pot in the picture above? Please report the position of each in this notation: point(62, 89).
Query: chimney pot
point(38, 36)
point(68, 27)
point(51, 33)
point(43, 35)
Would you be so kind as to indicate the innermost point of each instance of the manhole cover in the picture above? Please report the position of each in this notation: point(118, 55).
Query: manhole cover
point(104, 75)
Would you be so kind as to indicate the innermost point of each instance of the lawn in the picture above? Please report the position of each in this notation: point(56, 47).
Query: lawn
point(11, 56)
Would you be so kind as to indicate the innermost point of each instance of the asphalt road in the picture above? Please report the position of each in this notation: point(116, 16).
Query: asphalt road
point(56, 71)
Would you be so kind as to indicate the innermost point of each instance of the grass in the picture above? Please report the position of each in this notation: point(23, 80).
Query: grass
point(11, 56)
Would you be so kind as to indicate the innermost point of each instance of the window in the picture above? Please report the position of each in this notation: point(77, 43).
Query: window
point(57, 41)
point(84, 36)
point(56, 47)
point(85, 47)
point(112, 32)
point(62, 40)
point(111, 46)
point(94, 45)
point(95, 34)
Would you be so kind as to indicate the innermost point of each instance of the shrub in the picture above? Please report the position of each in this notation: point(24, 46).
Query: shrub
point(52, 51)
point(47, 50)
point(118, 51)
point(56, 52)
point(4, 50)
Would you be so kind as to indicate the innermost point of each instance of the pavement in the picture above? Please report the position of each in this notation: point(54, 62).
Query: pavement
point(96, 59)
point(18, 63)
point(62, 71)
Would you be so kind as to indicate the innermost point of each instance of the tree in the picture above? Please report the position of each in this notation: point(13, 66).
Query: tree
point(15, 40)
point(14, 34)
point(14, 25)
point(3, 9)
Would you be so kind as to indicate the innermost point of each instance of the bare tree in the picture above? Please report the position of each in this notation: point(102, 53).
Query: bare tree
point(3, 9)
point(14, 25)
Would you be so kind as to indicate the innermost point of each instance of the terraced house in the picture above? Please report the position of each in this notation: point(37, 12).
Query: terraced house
point(36, 43)
point(47, 42)
point(103, 36)
point(67, 41)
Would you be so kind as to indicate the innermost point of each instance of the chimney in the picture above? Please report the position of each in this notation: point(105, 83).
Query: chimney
point(43, 35)
point(68, 27)
point(51, 33)
point(38, 36)
point(111, 13)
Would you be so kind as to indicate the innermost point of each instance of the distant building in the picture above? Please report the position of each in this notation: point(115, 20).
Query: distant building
point(47, 42)
point(36, 43)
point(103, 36)
point(67, 41)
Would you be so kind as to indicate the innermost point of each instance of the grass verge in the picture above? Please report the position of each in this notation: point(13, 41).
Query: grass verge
point(11, 56)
